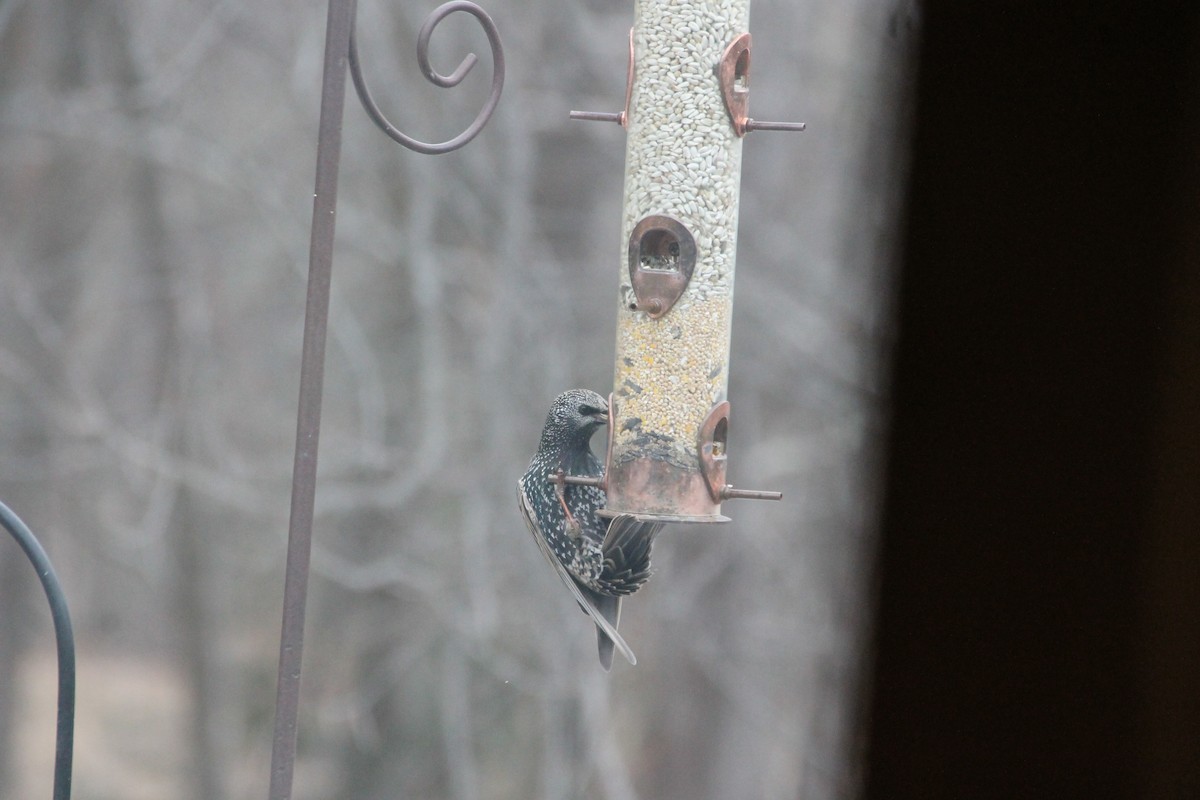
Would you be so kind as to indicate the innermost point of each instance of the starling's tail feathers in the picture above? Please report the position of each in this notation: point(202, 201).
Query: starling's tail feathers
point(626, 549)
point(605, 611)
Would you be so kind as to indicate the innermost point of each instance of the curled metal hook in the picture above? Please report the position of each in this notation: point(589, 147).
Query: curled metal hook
point(444, 81)
point(64, 749)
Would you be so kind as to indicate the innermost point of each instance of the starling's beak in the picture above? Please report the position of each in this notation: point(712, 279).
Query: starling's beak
point(601, 416)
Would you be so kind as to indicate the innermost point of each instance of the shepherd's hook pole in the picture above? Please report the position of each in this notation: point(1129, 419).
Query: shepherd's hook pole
point(340, 51)
point(308, 415)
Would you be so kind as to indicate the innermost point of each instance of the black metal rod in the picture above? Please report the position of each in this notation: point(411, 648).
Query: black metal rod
point(64, 746)
point(308, 415)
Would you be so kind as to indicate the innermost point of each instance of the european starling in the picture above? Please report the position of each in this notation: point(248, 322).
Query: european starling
point(599, 560)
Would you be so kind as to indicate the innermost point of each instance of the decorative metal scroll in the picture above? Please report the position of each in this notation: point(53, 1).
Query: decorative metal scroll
point(444, 81)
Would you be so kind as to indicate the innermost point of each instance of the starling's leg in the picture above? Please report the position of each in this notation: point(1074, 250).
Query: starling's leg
point(574, 530)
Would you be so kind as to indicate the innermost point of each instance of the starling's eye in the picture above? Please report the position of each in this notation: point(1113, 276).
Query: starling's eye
point(590, 411)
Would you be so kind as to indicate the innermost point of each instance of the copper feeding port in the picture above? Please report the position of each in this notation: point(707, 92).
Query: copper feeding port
point(662, 258)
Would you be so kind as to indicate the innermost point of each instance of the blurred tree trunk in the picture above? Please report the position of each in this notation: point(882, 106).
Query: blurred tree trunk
point(189, 545)
point(33, 237)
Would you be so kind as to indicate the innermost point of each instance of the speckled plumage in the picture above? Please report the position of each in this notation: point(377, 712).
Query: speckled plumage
point(599, 560)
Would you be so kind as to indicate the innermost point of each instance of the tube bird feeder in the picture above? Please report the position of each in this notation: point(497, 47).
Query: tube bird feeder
point(686, 100)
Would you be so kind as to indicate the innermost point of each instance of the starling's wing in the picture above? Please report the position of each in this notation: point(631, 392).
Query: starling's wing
point(610, 608)
point(582, 595)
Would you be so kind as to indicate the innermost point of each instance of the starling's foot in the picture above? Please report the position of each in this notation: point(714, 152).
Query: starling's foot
point(574, 529)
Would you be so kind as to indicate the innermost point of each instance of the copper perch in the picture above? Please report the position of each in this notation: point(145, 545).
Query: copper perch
point(561, 477)
point(733, 72)
point(619, 117)
point(730, 493)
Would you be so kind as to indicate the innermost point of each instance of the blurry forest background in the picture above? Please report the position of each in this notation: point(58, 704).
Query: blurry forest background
point(156, 167)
